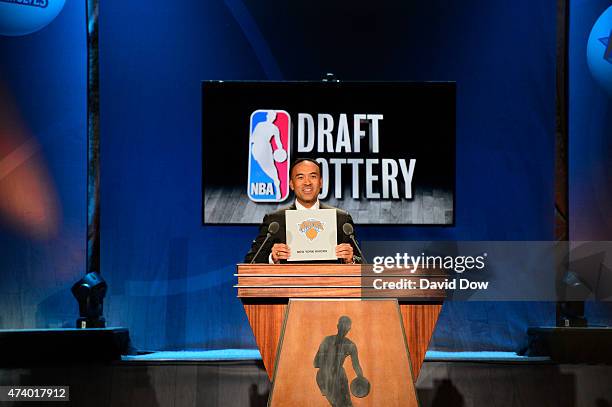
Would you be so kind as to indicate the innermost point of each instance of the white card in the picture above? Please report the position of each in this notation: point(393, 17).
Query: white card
point(311, 234)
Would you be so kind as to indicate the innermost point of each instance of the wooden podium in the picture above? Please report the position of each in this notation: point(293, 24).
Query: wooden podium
point(265, 291)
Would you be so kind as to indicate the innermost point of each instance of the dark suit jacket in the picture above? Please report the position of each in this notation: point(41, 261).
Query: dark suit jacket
point(342, 217)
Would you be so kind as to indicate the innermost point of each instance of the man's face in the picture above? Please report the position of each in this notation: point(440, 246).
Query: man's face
point(306, 182)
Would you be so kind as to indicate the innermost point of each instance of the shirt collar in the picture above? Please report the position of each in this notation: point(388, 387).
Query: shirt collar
point(301, 207)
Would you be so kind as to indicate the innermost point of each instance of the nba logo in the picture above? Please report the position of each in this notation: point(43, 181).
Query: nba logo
point(269, 149)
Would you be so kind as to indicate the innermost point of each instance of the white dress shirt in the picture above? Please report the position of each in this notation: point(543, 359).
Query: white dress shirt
point(301, 207)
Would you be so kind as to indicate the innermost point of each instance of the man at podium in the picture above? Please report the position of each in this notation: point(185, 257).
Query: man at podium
point(305, 181)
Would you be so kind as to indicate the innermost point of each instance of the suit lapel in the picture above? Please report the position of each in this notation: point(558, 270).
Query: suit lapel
point(283, 229)
point(339, 233)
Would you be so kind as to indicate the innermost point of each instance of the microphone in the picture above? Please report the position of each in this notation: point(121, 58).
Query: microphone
point(347, 228)
point(272, 229)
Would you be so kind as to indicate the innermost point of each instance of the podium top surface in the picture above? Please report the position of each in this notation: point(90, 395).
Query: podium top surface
point(312, 280)
point(331, 268)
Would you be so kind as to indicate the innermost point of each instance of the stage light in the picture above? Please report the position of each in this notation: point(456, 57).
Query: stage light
point(583, 275)
point(89, 292)
point(329, 77)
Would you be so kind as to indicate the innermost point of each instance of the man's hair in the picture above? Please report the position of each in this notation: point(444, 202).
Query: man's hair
point(301, 160)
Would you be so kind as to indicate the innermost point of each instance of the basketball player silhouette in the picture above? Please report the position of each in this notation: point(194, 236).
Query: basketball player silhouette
point(331, 377)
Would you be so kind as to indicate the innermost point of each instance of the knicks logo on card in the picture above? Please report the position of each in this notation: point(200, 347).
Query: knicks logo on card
point(311, 228)
point(269, 149)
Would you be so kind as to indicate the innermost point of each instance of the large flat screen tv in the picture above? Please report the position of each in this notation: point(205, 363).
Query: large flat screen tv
point(387, 149)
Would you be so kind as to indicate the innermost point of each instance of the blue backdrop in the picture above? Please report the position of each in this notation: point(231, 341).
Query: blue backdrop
point(590, 119)
point(42, 167)
point(170, 277)
point(590, 107)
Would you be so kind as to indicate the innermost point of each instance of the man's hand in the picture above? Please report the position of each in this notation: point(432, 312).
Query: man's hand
point(344, 251)
point(280, 251)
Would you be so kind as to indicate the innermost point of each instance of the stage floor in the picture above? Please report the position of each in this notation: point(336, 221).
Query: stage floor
point(253, 354)
point(235, 378)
